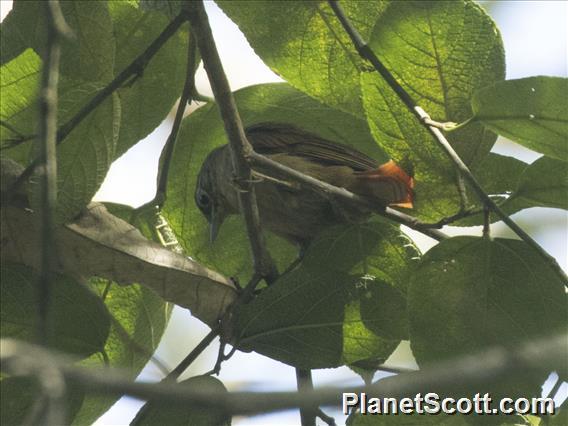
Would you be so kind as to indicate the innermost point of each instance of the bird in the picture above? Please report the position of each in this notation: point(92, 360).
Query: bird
point(296, 213)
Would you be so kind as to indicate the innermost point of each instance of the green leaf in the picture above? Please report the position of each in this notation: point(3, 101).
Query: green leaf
point(531, 111)
point(87, 153)
point(499, 176)
point(19, 82)
point(343, 305)
point(147, 101)
point(304, 43)
point(78, 323)
point(309, 318)
point(543, 184)
point(203, 130)
point(139, 320)
point(560, 418)
point(471, 293)
point(85, 156)
point(88, 56)
point(183, 414)
point(19, 397)
point(170, 8)
point(379, 254)
point(440, 52)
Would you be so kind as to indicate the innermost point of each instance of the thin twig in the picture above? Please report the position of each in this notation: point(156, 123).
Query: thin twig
point(462, 214)
point(186, 94)
point(478, 369)
point(178, 371)
point(266, 163)
point(239, 145)
point(486, 222)
point(135, 68)
point(328, 420)
point(135, 346)
point(460, 183)
point(192, 356)
point(367, 53)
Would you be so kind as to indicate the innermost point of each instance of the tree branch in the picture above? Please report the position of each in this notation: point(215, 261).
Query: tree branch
point(434, 128)
point(48, 161)
point(50, 380)
point(305, 384)
point(343, 194)
point(135, 68)
point(490, 366)
point(238, 142)
point(186, 96)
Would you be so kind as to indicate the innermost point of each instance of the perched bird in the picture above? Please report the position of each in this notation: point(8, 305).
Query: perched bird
point(298, 213)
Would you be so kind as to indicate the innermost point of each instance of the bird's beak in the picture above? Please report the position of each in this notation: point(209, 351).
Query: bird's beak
point(215, 222)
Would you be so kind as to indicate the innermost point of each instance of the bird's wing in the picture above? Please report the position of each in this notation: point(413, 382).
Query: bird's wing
point(278, 138)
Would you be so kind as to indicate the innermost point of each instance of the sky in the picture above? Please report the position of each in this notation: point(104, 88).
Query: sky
point(535, 38)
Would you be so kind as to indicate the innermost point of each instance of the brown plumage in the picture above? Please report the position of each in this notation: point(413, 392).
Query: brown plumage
point(299, 214)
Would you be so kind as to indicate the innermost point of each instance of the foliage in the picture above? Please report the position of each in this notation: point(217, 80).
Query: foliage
point(360, 288)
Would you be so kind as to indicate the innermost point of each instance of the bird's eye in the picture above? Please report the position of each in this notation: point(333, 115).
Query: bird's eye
point(203, 200)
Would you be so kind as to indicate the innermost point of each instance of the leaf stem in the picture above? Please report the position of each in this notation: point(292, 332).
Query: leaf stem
point(367, 53)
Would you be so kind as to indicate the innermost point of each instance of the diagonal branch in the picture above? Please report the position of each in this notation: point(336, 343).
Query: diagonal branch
point(344, 195)
point(186, 96)
point(367, 53)
point(240, 147)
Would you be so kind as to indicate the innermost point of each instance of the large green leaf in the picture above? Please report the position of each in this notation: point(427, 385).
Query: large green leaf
point(78, 321)
point(19, 83)
point(147, 101)
point(203, 130)
point(303, 42)
point(346, 303)
point(471, 293)
point(183, 414)
point(531, 111)
point(310, 318)
point(19, 397)
point(140, 318)
point(440, 52)
point(85, 156)
point(544, 183)
point(499, 174)
point(87, 56)
point(499, 177)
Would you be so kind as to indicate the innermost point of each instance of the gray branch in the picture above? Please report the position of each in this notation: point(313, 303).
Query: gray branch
point(490, 366)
